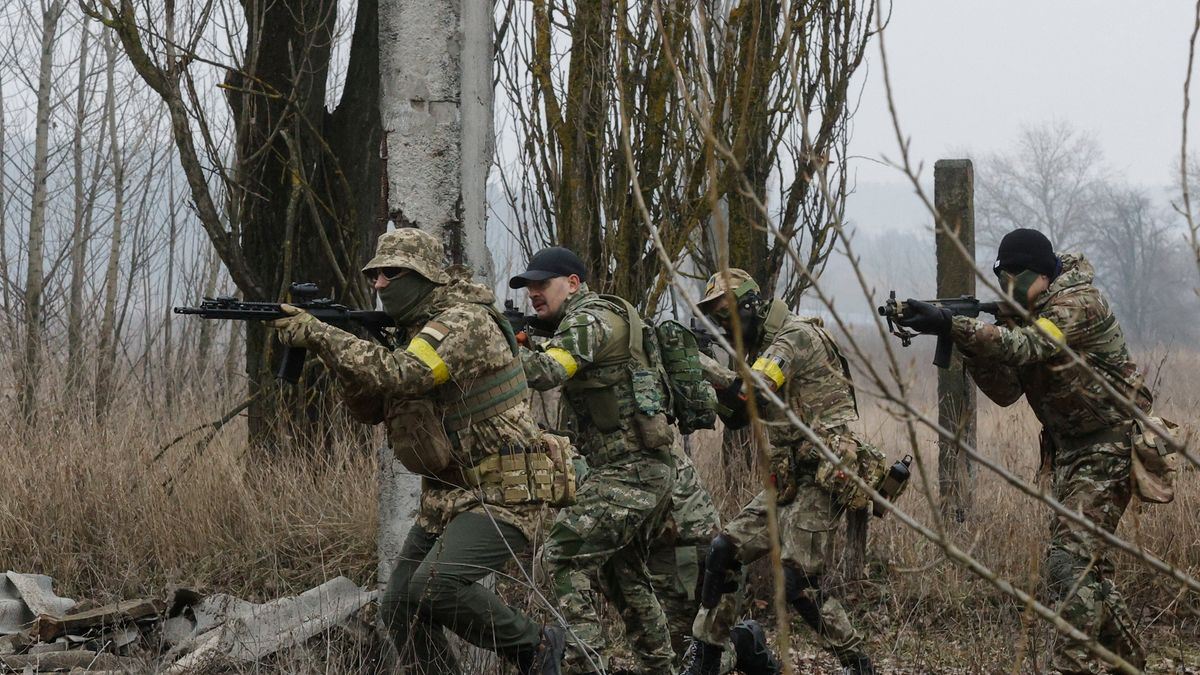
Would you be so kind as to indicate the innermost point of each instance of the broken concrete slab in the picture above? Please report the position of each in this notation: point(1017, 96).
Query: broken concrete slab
point(24, 596)
point(245, 632)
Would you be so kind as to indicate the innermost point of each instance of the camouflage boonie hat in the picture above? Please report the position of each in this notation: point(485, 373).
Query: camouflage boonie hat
point(411, 249)
point(742, 282)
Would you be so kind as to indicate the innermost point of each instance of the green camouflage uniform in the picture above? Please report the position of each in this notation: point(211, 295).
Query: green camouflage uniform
point(801, 358)
point(466, 527)
point(678, 552)
point(1085, 440)
point(605, 535)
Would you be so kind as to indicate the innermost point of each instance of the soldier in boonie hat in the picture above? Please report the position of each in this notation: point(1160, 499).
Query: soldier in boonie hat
point(740, 283)
point(411, 249)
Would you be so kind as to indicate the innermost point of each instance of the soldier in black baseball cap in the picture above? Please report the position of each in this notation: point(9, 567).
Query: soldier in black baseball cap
point(554, 275)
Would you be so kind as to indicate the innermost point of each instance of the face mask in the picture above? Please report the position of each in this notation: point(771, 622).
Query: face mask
point(1018, 284)
point(403, 297)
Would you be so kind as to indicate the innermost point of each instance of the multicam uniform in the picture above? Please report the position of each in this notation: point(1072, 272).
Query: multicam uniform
point(621, 505)
point(677, 552)
point(457, 382)
point(803, 362)
point(1085, 439)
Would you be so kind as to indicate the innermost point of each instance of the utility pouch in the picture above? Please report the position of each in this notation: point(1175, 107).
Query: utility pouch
point(563, 459)
point(417, 436)
point(1155, 461)
point(654, 430)
point(859, 458)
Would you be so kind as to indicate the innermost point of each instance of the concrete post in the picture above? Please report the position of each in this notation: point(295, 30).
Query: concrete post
point(954, 199)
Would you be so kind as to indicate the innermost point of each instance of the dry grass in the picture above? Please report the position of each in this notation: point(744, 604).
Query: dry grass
point(84, 503)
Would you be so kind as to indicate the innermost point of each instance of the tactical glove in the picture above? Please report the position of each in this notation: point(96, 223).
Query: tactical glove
point(926, 318)
point(296, 329)
point(732, 405)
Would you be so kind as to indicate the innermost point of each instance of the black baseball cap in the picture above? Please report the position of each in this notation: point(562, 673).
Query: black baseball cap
point(548, 263)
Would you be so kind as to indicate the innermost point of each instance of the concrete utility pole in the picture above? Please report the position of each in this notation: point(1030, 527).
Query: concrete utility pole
point(436, 105)
point(954, 199)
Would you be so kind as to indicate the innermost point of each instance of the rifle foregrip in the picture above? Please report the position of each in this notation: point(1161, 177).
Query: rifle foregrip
point(292, 365)
point(943, 352)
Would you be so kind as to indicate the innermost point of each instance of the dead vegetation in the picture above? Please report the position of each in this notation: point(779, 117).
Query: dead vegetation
point(85, 503)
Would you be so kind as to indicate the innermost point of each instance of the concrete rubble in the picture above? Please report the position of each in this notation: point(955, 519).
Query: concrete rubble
point(43, 632)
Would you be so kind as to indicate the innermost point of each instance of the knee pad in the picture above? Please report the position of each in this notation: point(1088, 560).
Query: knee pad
point(796, 582)
point(720, 561)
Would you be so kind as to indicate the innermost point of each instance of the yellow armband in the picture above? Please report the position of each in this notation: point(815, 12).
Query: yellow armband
point(1050, 329)
point(771, 369)
point(429, 356)
point(564, 359)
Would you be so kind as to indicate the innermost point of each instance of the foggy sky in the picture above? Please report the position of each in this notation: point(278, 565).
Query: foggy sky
point(970, 73)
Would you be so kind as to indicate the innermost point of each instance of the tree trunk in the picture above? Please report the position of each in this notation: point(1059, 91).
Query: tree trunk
point(436, 103)
point(583, 136)
point(29, 369)
point(107, 357)
point(76, 362)
point(6, 300)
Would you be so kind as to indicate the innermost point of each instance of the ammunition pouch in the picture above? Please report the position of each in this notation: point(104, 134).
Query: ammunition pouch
point(1155, 461)
point(417, 437)
point(544, 473)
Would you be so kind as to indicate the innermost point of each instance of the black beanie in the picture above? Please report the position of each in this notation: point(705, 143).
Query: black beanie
point(1026, 249)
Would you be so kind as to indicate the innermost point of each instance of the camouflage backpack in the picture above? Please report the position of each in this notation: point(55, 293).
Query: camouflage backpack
point(693, 403)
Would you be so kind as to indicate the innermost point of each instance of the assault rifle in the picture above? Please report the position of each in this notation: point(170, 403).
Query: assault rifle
point(516, 318)
point(306, 297)
point(967, 305)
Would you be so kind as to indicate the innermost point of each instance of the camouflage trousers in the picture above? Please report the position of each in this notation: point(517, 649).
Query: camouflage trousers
point(434, 587)
point(806, 525)
point(605, 537)
point(675, 572)
point(1078, 571)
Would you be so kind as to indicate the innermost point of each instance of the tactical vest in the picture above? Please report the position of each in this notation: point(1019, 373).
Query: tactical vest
point(622, 391)
point(487, 396)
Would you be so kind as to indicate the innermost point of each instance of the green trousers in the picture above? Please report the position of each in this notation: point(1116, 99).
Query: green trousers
point(435, 586)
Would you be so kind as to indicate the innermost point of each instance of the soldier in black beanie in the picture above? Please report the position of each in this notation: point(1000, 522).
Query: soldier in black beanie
point(1087, 433)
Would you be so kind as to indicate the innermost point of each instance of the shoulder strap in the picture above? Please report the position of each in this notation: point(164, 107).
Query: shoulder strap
point(505, 327)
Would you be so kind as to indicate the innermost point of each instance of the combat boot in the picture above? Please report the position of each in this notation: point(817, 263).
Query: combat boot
point(546, 658)
point(702, 659)
point(855, 663)
point(754, 657)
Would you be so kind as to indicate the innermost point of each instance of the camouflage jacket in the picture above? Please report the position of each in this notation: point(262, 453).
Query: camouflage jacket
point(589, 356)
point(464, 344)
point(804, 362)
point(1007, 362)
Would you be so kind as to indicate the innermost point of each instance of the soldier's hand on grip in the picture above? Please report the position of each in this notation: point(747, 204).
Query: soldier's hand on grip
point(292, 329)
point(926, 318)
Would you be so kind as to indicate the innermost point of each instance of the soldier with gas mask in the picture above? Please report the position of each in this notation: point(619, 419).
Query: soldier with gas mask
point(798, 359)
point(604, 358)
point(455, 403)
point(1086, 432)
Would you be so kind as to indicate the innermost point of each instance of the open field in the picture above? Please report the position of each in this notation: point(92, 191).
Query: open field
point(85, 502)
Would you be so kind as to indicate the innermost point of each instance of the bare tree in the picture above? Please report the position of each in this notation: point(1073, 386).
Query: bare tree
point(775, 76)
point(300, 184)
point(30, 367)
point(1049, 182)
